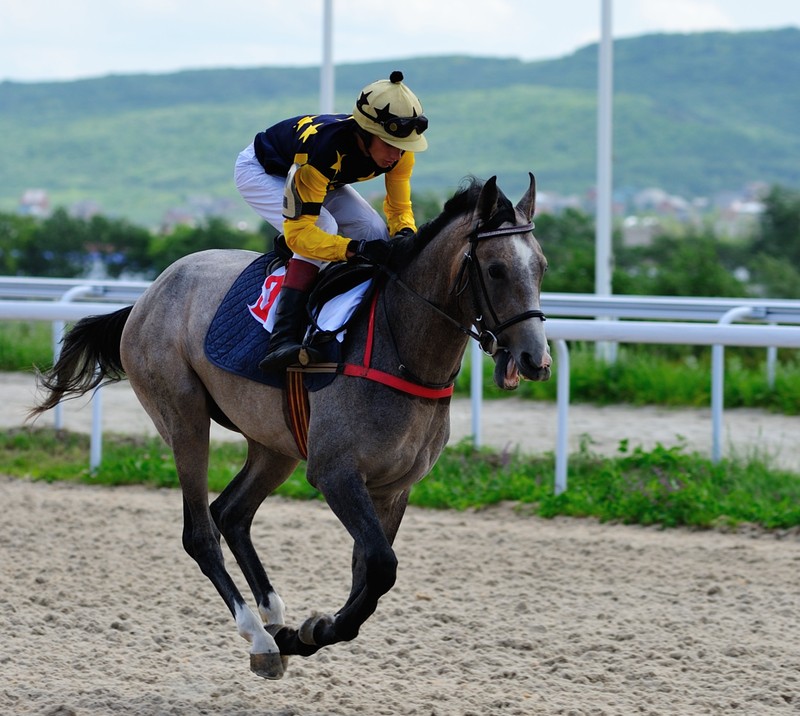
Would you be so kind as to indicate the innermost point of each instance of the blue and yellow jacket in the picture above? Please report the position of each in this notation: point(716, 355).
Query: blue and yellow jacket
point(326, 148)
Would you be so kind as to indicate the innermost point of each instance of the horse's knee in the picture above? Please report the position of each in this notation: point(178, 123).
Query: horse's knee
point(381, 572)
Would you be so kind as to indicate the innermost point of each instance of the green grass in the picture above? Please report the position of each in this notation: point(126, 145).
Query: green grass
point(667, 487)
point(24, 344)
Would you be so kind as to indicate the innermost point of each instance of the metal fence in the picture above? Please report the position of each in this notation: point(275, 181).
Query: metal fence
point(768, 323)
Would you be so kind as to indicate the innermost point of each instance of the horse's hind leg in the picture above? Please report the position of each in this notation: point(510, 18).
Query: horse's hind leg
point(233, 513)
point(201, 541)
point(177, 405)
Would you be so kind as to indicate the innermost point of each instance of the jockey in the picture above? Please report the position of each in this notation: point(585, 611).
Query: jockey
point(296, 174)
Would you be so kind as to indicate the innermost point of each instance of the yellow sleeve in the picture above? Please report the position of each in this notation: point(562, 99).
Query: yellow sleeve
point(303, 236)
point(397, 205)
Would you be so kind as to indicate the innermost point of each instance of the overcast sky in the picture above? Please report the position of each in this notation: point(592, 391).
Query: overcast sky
point(47, 40)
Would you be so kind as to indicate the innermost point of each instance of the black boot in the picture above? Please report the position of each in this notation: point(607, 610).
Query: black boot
point(285, 347)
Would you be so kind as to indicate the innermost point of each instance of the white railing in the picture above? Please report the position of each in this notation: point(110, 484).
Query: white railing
point(60, 300)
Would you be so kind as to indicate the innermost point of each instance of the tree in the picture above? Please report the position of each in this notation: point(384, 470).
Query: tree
point(697, 264)
point(16, 233)
point(567, 240)
point(58, 247)
point(779, 229)
point(120, 245)
point(214, 233)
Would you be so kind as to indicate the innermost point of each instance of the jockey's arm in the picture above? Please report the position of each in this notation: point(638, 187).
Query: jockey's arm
point(397, 204)
point(302, 234)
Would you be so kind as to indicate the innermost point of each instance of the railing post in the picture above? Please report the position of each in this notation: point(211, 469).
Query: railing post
point(562, 397)
point(96, 440)
point(718, 382)
point(772, 361)
point(476, 390)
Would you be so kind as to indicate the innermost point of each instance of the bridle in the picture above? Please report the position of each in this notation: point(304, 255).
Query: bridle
point(469, 274)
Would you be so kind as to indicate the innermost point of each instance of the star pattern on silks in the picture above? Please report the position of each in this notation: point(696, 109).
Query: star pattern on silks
point(337, 165)
point(367, 178)
point(310, 130)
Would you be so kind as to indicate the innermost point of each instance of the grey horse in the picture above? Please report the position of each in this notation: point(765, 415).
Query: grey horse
point(474, 271)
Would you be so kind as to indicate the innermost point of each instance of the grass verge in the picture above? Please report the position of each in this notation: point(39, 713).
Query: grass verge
point(666, 486)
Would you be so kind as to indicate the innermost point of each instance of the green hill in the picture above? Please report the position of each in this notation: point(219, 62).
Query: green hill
point(693, 114)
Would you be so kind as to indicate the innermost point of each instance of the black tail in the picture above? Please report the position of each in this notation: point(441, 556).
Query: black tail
point(89, 358)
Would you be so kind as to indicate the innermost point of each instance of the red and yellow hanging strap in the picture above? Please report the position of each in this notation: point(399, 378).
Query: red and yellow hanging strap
point(299, 411)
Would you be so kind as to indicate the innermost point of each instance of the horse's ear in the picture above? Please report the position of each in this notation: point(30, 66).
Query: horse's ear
point(527, 204)
point(487, 201)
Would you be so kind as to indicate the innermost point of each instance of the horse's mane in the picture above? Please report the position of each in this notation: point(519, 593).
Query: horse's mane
point(462, 202)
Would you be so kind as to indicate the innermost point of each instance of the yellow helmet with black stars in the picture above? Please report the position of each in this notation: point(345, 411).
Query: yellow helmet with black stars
point(391, 111)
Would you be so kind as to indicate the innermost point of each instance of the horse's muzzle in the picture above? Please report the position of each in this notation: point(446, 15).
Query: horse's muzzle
point(508, 371)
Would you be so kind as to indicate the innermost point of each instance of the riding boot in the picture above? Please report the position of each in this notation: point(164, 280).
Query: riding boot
point(285, 343)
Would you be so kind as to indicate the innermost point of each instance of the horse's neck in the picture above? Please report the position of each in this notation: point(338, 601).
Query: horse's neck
point(430, 345)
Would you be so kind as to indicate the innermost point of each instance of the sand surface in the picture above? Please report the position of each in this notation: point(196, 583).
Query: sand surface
point(101, 611)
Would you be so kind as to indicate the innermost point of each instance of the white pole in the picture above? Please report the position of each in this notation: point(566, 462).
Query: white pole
point(96, 440)
point(718, 382)
point(605, 83)
point(476, 391)
point(562, 430)
point(326, 72)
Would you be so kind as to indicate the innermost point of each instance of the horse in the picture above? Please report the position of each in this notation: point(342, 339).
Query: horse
point(475, 271)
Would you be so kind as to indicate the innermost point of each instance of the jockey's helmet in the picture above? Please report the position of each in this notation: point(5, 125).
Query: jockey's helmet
point(391, 111)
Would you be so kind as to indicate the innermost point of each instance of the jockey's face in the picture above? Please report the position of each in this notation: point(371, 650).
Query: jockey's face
point(383, 154)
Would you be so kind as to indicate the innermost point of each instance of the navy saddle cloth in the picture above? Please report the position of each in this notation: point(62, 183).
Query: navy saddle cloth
point(236, 342)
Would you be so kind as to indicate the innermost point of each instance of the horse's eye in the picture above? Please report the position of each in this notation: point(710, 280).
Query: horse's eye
point(497, 271)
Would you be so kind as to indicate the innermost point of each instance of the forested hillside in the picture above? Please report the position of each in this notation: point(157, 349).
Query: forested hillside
point(694, 114)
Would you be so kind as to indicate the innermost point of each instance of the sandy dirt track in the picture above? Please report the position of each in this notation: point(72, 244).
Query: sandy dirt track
point(101, 611)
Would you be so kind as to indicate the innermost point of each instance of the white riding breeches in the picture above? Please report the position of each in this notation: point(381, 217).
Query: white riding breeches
point(344, 211)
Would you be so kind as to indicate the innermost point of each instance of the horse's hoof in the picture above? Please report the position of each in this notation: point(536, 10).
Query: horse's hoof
point(306, 630)
point(268, 665)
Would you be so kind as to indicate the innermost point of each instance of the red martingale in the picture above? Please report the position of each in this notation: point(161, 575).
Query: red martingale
point(393, 381)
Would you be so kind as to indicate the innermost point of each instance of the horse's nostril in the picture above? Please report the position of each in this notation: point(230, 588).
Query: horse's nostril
point(529, 365)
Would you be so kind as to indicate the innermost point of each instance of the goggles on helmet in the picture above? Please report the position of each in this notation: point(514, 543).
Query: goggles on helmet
point(400, 127)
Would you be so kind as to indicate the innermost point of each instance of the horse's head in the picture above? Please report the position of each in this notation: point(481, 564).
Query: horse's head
point(502, 272)
point(481, 268)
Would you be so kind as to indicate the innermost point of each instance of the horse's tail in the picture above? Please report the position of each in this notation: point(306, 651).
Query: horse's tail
point(89, 358)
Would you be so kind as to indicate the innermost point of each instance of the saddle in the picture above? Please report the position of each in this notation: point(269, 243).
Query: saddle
point(334, 283)
point(238, 336)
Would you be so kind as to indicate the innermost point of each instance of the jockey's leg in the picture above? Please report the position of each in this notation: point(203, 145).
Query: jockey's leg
point(286, 343)
point(355, 217)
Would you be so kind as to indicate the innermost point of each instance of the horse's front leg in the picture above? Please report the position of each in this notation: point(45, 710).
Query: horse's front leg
point(390, 512)
point(374, 564)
